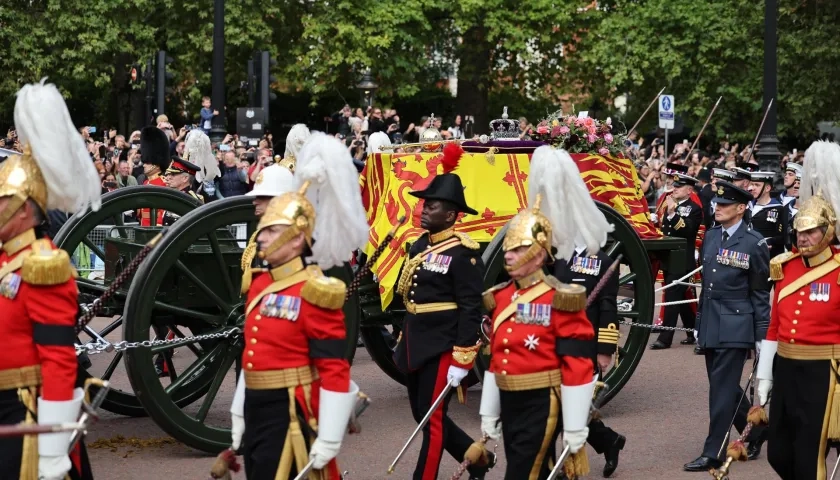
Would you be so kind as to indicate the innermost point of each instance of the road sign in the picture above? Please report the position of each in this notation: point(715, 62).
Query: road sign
point(666, 111)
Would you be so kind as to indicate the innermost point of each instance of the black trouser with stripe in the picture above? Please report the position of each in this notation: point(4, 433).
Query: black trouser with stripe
point(531, 422)
point(684, 310)
point(724, 367)
point(796, 445)
point(440, 433)
point(12, 412)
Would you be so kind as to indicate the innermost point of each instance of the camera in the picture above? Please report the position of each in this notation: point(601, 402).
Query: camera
point(249, 157)
point(224, 147)
point(110, 184)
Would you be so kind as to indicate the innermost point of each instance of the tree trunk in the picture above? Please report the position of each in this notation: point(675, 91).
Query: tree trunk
point(474, 56)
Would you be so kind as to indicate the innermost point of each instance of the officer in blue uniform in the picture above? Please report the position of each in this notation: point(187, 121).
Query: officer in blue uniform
point(733, 316)
point(768, 216)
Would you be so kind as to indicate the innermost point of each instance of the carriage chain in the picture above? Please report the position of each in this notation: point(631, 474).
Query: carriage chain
point(626, 306)
point(100, 346)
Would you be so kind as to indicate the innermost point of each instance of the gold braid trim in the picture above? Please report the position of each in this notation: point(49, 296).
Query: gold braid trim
point(464, 356)
point(294, 448)
point(249, 253)
point(679, 224)
point(46, 266)
point(29, 458)
point(577, 465)
point(489, 296)
point(322, 291)
point(567, 298)
point(467, 241)
point(609, 334)
point(777, 263)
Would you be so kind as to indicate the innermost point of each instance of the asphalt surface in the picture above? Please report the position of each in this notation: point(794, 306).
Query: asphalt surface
point(662, 411)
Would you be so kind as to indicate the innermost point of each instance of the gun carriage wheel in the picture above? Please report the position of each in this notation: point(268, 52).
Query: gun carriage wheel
point(92, 240)
point(190, 284)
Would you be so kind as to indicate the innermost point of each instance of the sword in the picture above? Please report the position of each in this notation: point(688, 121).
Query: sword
point(596, 404)
point(760, 128)
point(645, 112)
point(420, 426)
point(89, 411)
point(704, 126)
point(836, 464)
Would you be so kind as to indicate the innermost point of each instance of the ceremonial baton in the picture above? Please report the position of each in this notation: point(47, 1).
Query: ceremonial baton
point(836, 464)
point(696, 140)
point(89, 412)
point(21, 430)
point(357, 279)
point(760, 128)
point(603, 282)
point(420, 426)
point(596, 404)
point(646, 111)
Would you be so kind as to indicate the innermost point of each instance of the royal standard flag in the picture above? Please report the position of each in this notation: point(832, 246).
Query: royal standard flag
point(497, 187)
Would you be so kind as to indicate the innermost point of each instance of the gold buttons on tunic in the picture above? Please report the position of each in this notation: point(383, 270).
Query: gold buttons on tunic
point(802, 293)
point(253, 341)
point(799, 302)
point(254, 329)
point(793, 331)
point(510, 330)
point(415, 276)
point(507, 351)
point(259, 317)
point(250, 366)
point(504, 372)
point(796, 312)
point(505, 341)
point(504, 361)
point(250, 353)
point(412, 292)
point(792, 341)
point(414, 285)
point(795, 322)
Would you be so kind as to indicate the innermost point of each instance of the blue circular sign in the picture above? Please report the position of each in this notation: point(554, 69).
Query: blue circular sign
point(666, 103)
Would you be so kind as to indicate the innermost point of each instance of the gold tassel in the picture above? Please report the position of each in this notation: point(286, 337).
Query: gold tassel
point(462, 395)
point(476, 454)
point(577, 465)
point(776, 272)
point(325, 292)
point(569, 300)
point(490, 155)
point(758, 416)
point(737, 450)
point(46, 266)
point(29, 458)
point(834, 416)
point(489, 300)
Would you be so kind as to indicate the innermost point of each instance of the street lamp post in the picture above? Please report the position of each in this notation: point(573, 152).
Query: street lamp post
point(367, 87)
point(768, 154)
point(217, 131)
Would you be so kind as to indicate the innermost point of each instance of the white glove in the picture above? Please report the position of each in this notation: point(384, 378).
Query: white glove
point(654, 218)
point(237, 414)
point(334, 412)
point(491, 426)
point(576, 402)
point(575, 440)
point(53, 468)
point(764, 387)
point(53, 448)
point(322, 452)
point(757, 348)
point(456, 374)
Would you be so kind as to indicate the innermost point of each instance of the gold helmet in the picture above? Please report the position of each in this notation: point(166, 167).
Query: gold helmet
point(529, 228)
point(53, 151)
point(292, 209)
point(816, 212)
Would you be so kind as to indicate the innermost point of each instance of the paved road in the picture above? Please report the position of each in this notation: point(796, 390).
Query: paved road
point(662, 411)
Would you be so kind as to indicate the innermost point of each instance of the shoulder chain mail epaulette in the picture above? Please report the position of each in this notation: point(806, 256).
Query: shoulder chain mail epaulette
point(567, 298)
point(467, 241)
point(322, 291)
point(46, 265)
point(489, 298)
point(776, 270)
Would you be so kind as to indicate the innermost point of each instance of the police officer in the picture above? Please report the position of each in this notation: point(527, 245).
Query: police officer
point(441, 286)
point(682, 219)
point(540, 377)
point(587, 271)
point(768, 215)
point(733, 316)
point(38, 294)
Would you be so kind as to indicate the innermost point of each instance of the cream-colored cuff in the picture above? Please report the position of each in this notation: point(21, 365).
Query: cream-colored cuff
point(491, 404)
point(52, 412)
point(576, 403)
point(334, 412)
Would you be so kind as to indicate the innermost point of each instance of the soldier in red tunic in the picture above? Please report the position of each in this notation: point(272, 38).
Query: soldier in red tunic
point(799, 359)
point(38, 295)
point(540, 379)
point(295, 378)
point(154, 153)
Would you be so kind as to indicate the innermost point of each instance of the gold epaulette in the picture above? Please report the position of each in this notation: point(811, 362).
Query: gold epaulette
point(46, 265)
point(776, 269)
point(489, 296)
point(467, 241)
point(323, 291)
point(464, 356)
point(248, 259)
point(567, 298)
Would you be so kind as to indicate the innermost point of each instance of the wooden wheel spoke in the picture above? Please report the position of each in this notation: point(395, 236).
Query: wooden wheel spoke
point(106, 375)
point(220, 262)
point(627, 278)
point(614, 248)
point(207, 317)
point(222, 304)
point(189, 372)
point(221, 372)
point(94, 248)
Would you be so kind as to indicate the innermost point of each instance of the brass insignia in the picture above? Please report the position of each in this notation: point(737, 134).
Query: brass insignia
point(472, 260)
point(720, 191)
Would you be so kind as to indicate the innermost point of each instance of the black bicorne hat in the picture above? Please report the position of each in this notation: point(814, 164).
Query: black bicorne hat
point(154, 147)
point(728, 193)
point(447, 187)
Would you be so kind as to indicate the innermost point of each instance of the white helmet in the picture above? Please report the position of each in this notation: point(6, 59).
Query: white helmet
point(273, 181)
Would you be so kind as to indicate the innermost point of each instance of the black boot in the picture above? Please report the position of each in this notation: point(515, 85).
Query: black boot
point(754, 447)
point(478, 472)
point(611, 456)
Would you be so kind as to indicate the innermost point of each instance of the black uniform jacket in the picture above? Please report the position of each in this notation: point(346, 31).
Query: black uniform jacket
point(454, 274)
point(771, 221)
point(587, 271)
point(684, 224)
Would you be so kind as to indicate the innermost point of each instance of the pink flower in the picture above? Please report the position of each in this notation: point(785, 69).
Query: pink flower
point(591, 138)
point(604, 151)
point(608, 138)
point(555, 131)
point(589, 122)
point(542, 129)
point(564, 130)
point(592, 129)
point(579, 122)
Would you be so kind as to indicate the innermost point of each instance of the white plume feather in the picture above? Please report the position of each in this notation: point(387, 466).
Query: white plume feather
point(376, 140)
point(44, 124)
point(821, 173)
point(566, 202)
point(340, 221)
point(295, 140)
point(200, 153)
